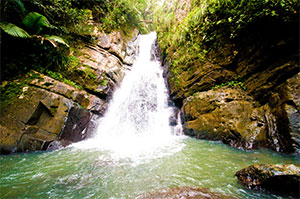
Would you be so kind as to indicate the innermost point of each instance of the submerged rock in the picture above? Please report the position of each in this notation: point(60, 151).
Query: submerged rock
point(184, 193)
point(283, 179)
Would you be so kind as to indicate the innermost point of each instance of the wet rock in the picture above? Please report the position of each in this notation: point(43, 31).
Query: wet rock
point(225, 114)
point(293, 90)
point(119, 45)
point(267, 61)
point(184, 193)
point(8, 136)
point(35, 138)
point(50, 114)
point(54, 145)
point(198, 78)
point(35, 120)
point(53, 85)
point(279, 137)
point(285, 118)
point(104, 65)
point(289, 93)
point(260, 84)
point(85, 99)
point(77, 122)
point(293, 115)
point(275, 178)
point(236, 118)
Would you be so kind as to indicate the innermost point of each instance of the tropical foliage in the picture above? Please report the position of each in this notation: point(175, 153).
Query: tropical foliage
point(210, 24)
point(31, 28)
point(33, 23)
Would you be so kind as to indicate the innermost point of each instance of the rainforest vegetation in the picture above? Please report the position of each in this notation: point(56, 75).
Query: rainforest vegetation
point(40, 34)
point(218, 91)
point(189, 38)
point(46, 36)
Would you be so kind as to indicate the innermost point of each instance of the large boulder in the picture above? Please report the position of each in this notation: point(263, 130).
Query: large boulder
point(276, 178)
point(46, 111)
point(225, 114)
point(232, 116)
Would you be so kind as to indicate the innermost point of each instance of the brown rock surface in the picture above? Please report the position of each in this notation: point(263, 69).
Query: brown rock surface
point(184, 193)
point(225, 114)
point(39, 115)
point(50, 113)
point(276, 178)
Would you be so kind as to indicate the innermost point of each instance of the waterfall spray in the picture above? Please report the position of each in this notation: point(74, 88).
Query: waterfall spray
point(137, 120)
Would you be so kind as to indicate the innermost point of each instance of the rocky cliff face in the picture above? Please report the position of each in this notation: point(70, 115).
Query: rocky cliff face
point(49, 114)
point(246, 92)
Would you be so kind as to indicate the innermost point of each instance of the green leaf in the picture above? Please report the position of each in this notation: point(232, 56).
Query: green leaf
point(56, 39)
point(14, 30)
point(20, 5)
point(35, 22)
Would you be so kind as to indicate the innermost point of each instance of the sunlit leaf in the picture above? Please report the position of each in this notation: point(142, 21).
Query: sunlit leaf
point(56, 39)
point(14, 30)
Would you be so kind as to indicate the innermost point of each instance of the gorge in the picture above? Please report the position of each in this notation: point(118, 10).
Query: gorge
point(133, 115)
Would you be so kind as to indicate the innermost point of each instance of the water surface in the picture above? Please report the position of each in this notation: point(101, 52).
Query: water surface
point(134, 151)
point(83, 173)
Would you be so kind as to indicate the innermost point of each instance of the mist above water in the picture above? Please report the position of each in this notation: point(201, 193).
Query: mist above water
point(136, 123)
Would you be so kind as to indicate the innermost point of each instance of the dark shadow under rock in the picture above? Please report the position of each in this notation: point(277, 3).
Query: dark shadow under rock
point(278, 179)
point(77, 121)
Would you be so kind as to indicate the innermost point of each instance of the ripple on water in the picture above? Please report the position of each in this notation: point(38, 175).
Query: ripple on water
point(78, 173)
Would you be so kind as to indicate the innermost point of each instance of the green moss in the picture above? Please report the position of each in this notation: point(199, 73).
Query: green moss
point(234, 83)
point(58, 76)
point(11, 90)
point(210, 25)
point(88, 72)
point(73, 63)
point(104, 82)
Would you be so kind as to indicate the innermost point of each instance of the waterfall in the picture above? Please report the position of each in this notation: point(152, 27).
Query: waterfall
point(137, 120)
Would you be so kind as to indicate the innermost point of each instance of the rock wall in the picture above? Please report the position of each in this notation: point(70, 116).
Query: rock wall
point(264, 61)
point(50, 114)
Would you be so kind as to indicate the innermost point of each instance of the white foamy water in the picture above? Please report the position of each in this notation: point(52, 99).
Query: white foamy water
point(136, 124)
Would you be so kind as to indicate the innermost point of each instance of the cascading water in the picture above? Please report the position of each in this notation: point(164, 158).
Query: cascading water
point(137, 120)
point(134, 152)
